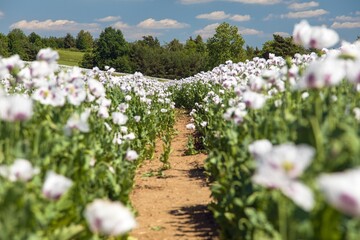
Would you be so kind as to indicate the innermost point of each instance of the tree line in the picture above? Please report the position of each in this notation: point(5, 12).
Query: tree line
point(170, 60)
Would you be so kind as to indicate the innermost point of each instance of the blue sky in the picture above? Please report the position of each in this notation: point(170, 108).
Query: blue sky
point(257, 20)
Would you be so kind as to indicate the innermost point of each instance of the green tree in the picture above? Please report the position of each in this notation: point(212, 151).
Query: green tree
point(174, 45)
point(250, 52)
point(69, 41)
point(146, 56)
point(282, 46)
point(149, 41)
point(53, 42)
point(18, 44)
point(36, 43)
point(196, 56)
point(190, 45)
point(4, 49)
point(200, 45)
point(84, 41)
point(226, 44)
point(87, 61)
point(111, 49)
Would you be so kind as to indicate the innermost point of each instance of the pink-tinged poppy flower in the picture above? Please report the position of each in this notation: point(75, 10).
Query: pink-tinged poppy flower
point(300, 194)
point(190, 126)
point(119, 118)
point(314, 36)
point(109, 218)
point(76, 92)
point(96, 88)
point(7, 65)
point(353, 71)
point(235, 114)
point(341, 190)
point(260, 148)
point(254, 100)
point(20, 170)
point(279, 167)
point(15, 108)
point(48, 93)
point(55, 186)
point(79, 122)
point(131, 155)
point(328, 72)
point(48, 55)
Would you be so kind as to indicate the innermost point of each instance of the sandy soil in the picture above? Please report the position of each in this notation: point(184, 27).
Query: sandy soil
point(174, 205)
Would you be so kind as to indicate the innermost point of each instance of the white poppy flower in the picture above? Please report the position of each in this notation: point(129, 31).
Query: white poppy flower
point(109, 218)
point(48, 55)
point(190, 126)
point(79, 122)
point(314, 36)
point(119, 118)
point(131, 155)
point(342, 190)
point(55, 185)
point(16, 108)
point(20, 170)
point(96, 88)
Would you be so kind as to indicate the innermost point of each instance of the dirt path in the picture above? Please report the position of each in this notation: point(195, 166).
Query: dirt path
point(173, 206)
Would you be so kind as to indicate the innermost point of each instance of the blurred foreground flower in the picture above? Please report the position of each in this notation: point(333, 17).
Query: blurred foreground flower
point(79, 122)
point(20, 170)
point(260, 148)
point(48, 55)
point(319, 74)
point(279, 166)
point(342, 190)
point(109, 218)
point(190, 126)
point(55, 185)
point(96, 88)
point(15, 108)
point(314, 36)
point(119, 118)
point(254, 100)
point(131, 155)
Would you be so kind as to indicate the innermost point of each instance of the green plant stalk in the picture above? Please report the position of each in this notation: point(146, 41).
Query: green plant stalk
point(315, 122)
point(283, 218)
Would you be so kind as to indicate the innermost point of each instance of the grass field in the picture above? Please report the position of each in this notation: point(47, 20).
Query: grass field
point(70, 57)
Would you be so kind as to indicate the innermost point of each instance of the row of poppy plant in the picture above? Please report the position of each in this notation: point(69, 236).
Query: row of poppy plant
point(283, 140)
point(70, 142)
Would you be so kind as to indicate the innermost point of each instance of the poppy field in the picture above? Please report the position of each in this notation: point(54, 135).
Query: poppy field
point(282, 137)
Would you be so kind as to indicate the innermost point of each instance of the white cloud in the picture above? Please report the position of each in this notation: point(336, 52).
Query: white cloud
point(109, 19)
point(1, 14)
point(135, 33)
point(194, 1)
point(270, 16)
point(151, 23)
point(220, 15)
point(347, 18)
point(283, 34)
point(249, 31)
point(207, 31)
point(57, 25)
point(305, 14)
point(261, 2)
point(240, 18)
point(120, 25)
point(217, 15)
point(302, 6)
point(346, 25)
